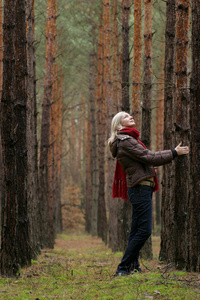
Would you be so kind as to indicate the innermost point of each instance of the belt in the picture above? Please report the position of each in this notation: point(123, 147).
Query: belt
point(147, 182)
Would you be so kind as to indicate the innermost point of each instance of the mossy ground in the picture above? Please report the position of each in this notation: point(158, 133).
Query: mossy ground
point(82, 267)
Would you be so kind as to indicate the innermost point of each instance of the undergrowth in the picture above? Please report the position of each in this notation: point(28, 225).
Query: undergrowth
point(82, 267)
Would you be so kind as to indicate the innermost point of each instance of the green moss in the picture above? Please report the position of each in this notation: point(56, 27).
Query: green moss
point(87, 274)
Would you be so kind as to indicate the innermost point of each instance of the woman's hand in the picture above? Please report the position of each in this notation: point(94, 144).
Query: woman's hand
point(182, 150)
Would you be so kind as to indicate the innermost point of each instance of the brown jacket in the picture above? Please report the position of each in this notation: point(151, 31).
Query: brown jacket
point(137, 162)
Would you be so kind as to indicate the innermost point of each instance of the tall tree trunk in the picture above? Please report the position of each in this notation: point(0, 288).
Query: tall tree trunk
point(146, 105)
point(181, 131)
point(15, 240)
point(117, 94)
point(107, 98)
point(137, 62)
point(159, 143)
point(193, 261)
point(88, 200)
point(94, 161)
point(58, 154)
point(52, 161)
point(147, 80)
point(125, 214)
point(1, 79)
point(101, 128)
point(32, 176)
point(125, 55)
point(167, 207)
point(45, 210)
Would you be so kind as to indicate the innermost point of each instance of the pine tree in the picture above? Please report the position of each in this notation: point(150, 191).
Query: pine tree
point(15, 239)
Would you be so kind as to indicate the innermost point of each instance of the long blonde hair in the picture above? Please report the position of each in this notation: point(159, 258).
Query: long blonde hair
point(115, 126)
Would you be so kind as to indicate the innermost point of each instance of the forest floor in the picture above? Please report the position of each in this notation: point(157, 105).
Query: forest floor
point(82, 267)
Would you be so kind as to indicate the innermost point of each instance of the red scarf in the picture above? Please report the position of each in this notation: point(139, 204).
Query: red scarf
point(120, 188)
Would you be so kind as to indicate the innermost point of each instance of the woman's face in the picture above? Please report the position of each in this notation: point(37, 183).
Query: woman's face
point(127, 120)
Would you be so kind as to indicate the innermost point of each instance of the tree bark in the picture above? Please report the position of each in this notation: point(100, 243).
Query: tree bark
point(101, 128)
point(1, 79)
point(193, 261)
point(147, 80)
point(32, 175)
point(181, 131)
point(167, 210)
point(58, 154)
point(88, 200)
point(137, 63)
point(159, 143)
point(125, 55)
point(94, 160)
point(117, 88)
point(45, 207)
point(15, 239)
point(109, 112)
point(146, 105)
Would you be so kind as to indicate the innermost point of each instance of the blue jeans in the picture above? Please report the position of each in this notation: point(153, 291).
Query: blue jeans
point(141, 199)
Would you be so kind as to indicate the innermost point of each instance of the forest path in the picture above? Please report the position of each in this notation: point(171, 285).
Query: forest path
point(82, 267)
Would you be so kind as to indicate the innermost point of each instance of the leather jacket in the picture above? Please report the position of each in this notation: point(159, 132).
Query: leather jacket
point(137, 162)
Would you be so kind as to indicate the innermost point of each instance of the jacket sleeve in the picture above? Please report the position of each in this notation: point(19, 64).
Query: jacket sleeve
point(137, 152)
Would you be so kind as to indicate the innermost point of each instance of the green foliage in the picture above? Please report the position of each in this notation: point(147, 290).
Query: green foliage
point(82, 267)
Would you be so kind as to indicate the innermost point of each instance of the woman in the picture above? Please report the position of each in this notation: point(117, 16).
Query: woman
point(135, 170)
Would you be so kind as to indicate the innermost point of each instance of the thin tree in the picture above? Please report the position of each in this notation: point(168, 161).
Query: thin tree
point(1, 78)
point(58, 151)
point(146, 96)
point(159, 143)
point(125, 106)
point(125, 55)
point(167, 207)
point(46, 213)
point(117, 96)
point(109, 112)
point(32, 175)
point(137, 62)
point(15, 239)
point(101, 129)
point(194, 200)
point(181, 130)
point(53, 199)
point(88, 199)
point(94, 160)
point(117, 88)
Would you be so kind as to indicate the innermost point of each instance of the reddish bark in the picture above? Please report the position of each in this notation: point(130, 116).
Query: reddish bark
point(137, 62)
point(88, 200)
point(117, 94)
point(101, 129)
point(181, 130)
point(45, 210)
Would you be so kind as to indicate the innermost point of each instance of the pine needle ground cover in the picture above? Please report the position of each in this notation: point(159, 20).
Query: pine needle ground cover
point(82, 267)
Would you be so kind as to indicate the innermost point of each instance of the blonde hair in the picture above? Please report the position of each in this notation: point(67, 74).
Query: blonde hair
point(115, 126)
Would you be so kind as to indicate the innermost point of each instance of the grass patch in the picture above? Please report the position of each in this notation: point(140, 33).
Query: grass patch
point(82, 267)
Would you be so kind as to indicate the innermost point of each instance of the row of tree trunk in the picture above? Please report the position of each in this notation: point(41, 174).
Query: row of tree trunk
point(181, 181)
point(31, 210)
point(113, 94)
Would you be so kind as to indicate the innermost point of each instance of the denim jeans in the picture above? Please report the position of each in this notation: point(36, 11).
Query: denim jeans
point(140, 197)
